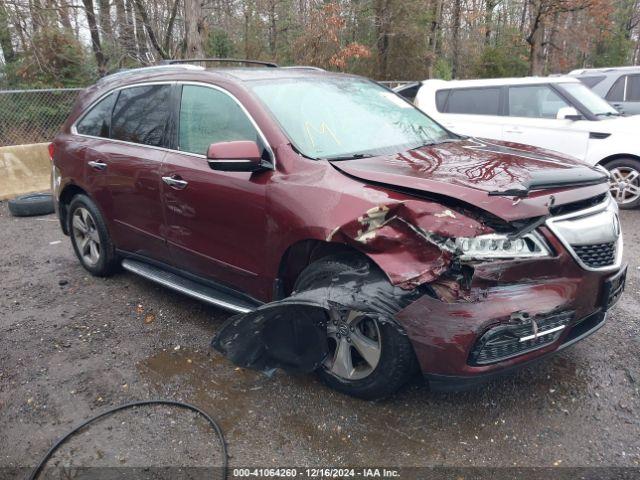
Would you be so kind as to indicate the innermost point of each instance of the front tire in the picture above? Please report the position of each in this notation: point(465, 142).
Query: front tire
point(370, 356)
point(90, 238)
point(625, 182)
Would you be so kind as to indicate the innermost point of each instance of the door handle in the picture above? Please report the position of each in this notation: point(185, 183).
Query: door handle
point(97, 165)
point(175, 182)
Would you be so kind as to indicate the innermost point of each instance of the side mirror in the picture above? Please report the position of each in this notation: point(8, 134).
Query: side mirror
point(236, 156)
point(568, 113)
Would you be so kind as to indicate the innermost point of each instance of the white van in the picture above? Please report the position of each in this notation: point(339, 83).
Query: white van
point(557, 113)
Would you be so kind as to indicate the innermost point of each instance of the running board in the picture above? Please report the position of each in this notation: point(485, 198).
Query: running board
point(191, 288)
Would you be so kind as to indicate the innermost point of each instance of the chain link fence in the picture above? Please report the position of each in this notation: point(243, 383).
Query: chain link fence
point(33, 116)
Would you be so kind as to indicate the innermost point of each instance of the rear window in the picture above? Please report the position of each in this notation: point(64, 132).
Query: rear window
point(474, 101)
point(97, 121)
point(592, 81)
point(633, 88)
point(441, 99)
point(616, 92)
point(141, 114)
point(409, 92)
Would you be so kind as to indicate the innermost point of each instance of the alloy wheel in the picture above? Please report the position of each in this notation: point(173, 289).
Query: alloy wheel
point(355, 345)
point(624, 184)
point(86, 236)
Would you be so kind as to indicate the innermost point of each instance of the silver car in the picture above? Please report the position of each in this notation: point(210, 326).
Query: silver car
point(620, 86)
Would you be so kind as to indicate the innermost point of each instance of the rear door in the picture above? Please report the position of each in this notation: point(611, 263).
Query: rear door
point(625, 94)
point(216, 221)
point(531, 119)
point(124, 170)
point(471, 111)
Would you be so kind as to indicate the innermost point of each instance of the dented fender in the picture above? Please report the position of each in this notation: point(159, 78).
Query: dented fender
point(406, 239)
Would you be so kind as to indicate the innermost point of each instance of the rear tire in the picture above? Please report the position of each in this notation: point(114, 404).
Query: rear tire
point(393, 364)
point(625, 182)
point(90, 238)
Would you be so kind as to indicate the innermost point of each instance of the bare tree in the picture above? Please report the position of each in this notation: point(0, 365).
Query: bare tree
point(5, 35)
point(193, 28)
point(96, 45)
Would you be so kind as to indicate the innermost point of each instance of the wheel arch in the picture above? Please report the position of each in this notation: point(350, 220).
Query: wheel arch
point(617, 156)
point(64, 199)
point(302, 254)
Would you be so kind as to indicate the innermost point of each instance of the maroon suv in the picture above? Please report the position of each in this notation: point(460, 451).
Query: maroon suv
point(351, 234)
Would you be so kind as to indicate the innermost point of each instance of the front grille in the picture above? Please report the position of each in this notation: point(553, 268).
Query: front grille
point(579, 205)
point(597, 255)
point(503, 341)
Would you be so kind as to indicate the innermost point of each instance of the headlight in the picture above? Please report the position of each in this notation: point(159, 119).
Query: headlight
point(496, 246)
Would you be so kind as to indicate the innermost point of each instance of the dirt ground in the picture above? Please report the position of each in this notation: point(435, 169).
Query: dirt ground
point(72, 345)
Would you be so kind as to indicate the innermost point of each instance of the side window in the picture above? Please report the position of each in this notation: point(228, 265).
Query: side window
point(209, 116)
point(409, 92)
point(633, 88)
point(476, 101)
point(141, 114)
point(592, 81)
point(96, 123)
point(534, 101)
point(616, 92)
point(441, 99)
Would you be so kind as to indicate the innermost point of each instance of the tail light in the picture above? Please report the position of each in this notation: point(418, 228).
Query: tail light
point(52, 150)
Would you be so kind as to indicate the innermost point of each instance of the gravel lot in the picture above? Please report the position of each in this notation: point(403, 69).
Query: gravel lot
point(72, 345)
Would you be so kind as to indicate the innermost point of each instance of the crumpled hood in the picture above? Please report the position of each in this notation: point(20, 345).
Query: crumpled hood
point(470, 169)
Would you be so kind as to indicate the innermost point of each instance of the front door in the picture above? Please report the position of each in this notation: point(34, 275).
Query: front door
point(216, 221)
point(532, 119)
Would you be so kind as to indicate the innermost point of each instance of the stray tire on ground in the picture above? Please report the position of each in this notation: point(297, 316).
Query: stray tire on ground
point(31, 204)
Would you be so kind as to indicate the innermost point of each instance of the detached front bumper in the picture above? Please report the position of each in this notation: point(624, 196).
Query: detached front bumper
point(446, 336)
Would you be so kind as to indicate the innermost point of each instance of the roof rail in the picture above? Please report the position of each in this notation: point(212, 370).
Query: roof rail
point(133, 71)
point(219, 60)
point(304, 67)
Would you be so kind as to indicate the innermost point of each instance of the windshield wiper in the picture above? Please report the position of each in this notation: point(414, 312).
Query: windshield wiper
point(354, 156)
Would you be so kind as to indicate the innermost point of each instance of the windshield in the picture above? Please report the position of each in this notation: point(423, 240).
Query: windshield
point(342, 118)
point(595, 104)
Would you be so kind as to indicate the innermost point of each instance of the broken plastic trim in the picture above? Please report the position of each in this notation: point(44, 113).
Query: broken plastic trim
point(291, 334)
point(570, 177)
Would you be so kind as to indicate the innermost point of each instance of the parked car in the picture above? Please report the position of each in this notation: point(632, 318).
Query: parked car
point(556, 113)
point(352, 234)
point(620, 86)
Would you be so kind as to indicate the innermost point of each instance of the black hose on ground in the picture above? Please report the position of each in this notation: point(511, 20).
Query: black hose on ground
point(36, 471)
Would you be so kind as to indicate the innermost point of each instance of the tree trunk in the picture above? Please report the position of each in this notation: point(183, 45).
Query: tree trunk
point(535, 39)
point(193, 28)
point(104, 9)
point(523, 17)
point(488, 20)
point(382, 36)
point(5, 36)
point(455, 32)
point(273, 32)
point(126, 33)
point(142, 12)
point(141, 38)
point(101, 61)
point(166, 44)
point(536, 49)
point(63, 14)
point(433, 45)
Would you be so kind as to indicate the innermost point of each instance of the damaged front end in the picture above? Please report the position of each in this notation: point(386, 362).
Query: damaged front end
point(412, 248)
point(473, 297)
